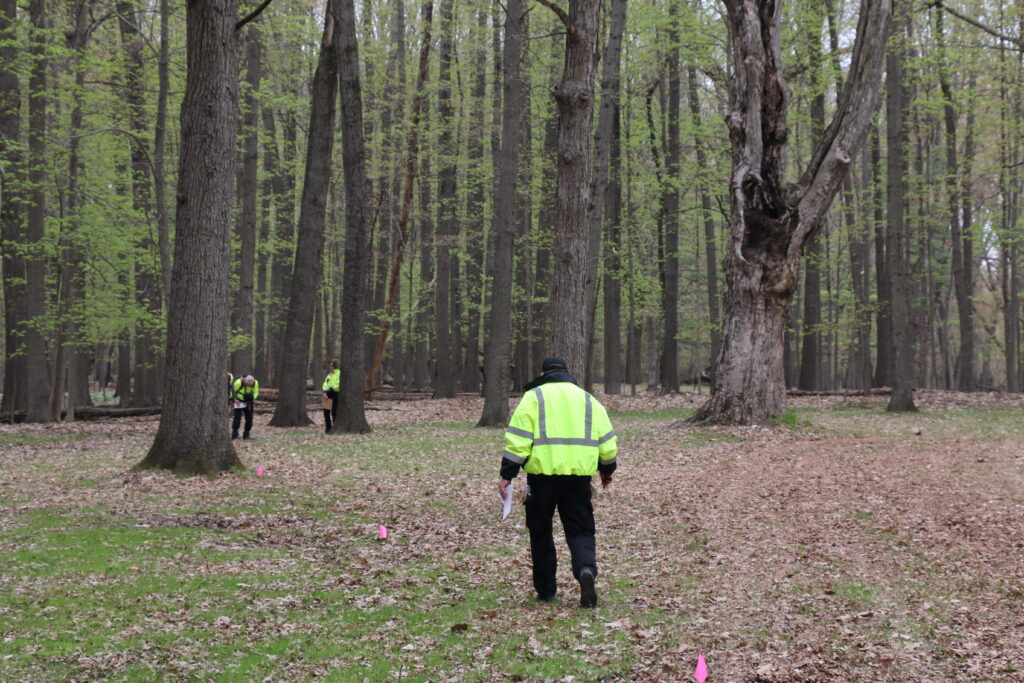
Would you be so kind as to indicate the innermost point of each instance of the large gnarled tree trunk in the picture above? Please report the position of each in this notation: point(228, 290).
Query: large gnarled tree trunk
point(193, 433)
point(771, 220)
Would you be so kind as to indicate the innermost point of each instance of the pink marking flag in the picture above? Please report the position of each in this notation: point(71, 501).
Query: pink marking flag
point(382, 533)
point(702, 669)
point(259, 471)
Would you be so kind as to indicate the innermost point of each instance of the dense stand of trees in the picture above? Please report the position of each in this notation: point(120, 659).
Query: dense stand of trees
point(558, 178)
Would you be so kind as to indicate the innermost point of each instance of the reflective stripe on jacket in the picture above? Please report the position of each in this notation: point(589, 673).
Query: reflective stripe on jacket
point(241, 393)
point(332, 381)
point(559, 428)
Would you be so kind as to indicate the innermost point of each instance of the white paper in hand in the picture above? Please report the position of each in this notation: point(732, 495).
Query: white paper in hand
point(506, 500)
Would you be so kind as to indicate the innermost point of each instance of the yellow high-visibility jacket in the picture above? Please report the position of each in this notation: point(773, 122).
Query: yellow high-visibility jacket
point(558, 428)
point(244, 393)
point(332, 380)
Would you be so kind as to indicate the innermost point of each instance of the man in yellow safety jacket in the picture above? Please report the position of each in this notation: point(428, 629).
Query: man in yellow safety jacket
point(244, 392)
point(331, 387)
point(561, 436)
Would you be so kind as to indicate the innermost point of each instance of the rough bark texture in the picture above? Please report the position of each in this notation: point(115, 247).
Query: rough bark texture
point(193, 432)
point(351, 414)
point(575, 98)
point(770, 220)
point(244, 310)
point(12, 213)
point(498, 343)
point(306, 276)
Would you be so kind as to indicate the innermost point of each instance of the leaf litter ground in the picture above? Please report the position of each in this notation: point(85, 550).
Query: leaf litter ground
point(850, 545)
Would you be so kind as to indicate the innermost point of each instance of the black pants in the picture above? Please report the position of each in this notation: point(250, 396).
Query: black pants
point(571, 495)
point(333, 412)
point(237, 420)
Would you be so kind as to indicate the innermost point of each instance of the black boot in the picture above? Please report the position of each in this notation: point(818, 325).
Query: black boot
point(588, 594)
point(234, 435)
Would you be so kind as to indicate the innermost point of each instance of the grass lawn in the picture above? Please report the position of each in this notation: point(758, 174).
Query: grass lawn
point(842, 544)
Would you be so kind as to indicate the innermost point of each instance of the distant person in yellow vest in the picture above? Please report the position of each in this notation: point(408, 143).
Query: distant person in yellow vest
point(244, 392)
point(561, 436)
point(331, 387)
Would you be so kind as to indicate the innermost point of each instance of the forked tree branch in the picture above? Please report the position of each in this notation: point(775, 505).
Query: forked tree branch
point(844, 136)
point(561, 14)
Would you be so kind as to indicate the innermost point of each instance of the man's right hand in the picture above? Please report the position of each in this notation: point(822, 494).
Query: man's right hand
point(606, 480)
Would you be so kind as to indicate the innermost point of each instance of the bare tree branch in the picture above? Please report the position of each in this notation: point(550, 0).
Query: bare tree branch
point(977, 24)
point(561, 14)
point(255, 13)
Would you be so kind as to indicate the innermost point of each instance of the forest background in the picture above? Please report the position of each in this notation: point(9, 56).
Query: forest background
point(90, 136)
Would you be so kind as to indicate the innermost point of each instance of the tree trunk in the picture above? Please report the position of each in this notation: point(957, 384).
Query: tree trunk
point(498, 343)
point(860, 257)
point(883, 283)
point(968, 374)
point(897, 246)
point(963, 270)
point(612, 268)
point(475, 207)
point(146, 384)
point(244, 309)
point(159, 145)
point(575, 98)
point(546, 219)
point(810, 350)
point(669, 367)
point(710, 240)
point(771, 220)
point(306, 276)
point(424, 324)
point(282, 255)
point(12, 215)
point(445, 353)
point(351, 414)
point(193, 434)
point(412, 143)
point(602, 154)
point(71, 373)
point(521, 367)
point(38, 390)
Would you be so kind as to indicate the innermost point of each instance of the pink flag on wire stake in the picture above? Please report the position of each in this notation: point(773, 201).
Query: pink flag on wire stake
point(259, 471)
point(701, 672)
point(382, 533)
